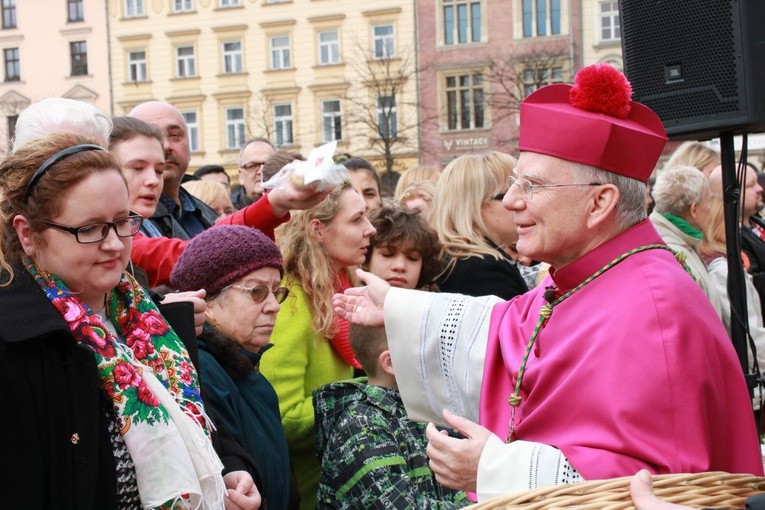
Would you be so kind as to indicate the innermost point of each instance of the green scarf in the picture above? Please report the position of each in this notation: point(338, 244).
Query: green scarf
point(684, 226)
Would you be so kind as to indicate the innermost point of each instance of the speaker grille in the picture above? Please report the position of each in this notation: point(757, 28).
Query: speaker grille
point(696, 37)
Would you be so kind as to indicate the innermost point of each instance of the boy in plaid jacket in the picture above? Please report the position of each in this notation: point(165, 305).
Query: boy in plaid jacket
point(372, 455)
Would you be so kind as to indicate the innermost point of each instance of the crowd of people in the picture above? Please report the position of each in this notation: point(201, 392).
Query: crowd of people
point(499, 325)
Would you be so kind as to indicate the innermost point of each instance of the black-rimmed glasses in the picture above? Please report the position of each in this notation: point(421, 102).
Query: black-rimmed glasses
point(97, 232)
point(259, 293)
point(252, 165)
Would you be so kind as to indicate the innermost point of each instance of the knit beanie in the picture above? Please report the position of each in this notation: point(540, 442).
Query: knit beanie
point(221, 255)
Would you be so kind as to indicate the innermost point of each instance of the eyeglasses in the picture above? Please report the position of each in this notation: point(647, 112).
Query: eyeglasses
point(252, 165)
point(527, 189)
point(259, 293)
point(97, 232)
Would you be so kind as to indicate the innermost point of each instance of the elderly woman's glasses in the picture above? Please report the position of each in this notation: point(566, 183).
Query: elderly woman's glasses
point(527, 189)
point(259, 293)
point(97, 232)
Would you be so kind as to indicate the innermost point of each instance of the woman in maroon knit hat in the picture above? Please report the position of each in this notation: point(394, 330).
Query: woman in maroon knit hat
point(241, 270)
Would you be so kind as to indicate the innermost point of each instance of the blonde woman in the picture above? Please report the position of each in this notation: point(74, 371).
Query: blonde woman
point(320, 246)
point(418, 197)
point(474, 227)
point(694, 154)
point(714, 253)
point(213, 194)
point(414, 175)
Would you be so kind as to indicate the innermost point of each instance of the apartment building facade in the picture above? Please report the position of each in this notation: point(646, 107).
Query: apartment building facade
point(298, 72)
point(601, 33)
point(478, 59)
point(51, 48)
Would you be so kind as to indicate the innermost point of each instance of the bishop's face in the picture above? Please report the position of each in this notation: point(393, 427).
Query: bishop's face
point(552, 222)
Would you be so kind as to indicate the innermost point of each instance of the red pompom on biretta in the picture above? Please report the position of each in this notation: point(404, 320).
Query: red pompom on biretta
point(593, 122)
point(602, 89)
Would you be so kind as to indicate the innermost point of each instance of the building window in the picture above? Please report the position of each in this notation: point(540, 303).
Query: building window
point(387, 116)
point(230, 3)
point(232, 57)
point(331, 120)
point(75, 10)
point(280, 52)
point(193, 129)
point(9, 14)
point(136, 66)
point(464, 101)
point(536, 78)
point(329, 48)
point(610, 28)
point(134, 8)
point(234, 128)
point(462, 21)
point(12, 64)
point(78, 52)
point(184, 62)
point(384, 44)
point(541, 18)
point(183, 5)
point(283, 124)
point(12, 120)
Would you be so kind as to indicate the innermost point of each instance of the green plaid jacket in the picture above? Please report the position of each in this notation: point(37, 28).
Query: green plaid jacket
point(372, 456)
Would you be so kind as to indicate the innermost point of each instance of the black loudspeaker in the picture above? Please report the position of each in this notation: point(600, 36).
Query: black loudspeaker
point(699, 64)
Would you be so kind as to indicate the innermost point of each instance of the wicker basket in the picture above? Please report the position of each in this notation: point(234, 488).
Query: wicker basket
point(712, 489)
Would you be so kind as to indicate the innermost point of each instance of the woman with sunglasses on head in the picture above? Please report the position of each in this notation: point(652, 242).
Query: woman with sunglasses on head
point(241, 269)
point(102, 406)
point(474, 228)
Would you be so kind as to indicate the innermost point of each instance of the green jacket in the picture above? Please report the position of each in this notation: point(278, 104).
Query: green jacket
point(372, 455)
point(299, 362)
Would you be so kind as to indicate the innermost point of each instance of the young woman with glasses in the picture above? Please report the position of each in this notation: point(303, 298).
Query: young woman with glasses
point(90, 372)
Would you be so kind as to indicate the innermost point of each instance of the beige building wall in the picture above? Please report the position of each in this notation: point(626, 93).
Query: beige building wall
point(283, 77)
point(601, 35)
point(37, 61)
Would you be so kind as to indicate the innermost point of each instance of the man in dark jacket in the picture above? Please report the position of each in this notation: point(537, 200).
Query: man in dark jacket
point(178, 214)
point(252, 157)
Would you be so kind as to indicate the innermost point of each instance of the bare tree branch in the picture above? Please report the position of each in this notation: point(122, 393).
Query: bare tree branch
point(382, 111)
point(515, 74)
point(258, 123)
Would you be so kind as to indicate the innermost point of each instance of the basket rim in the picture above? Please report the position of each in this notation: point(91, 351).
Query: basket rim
point(709, 488)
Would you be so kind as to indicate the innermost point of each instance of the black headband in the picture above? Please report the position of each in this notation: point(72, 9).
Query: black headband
point(55, 159)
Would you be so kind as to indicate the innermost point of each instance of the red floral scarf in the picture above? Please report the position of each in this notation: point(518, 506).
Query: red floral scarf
point(147, 373)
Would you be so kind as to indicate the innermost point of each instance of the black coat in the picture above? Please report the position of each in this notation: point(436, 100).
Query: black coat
point(483, 276)
point(56, 451)
point(240, 199)
point(754, 248)
point(170, 227)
